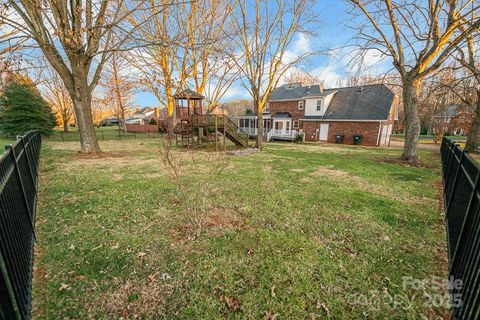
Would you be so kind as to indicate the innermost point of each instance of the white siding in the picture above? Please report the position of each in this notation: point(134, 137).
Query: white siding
point(311, 105)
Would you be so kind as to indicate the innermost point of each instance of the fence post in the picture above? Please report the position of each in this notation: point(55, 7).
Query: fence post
point(25, 151)
point(455, 178)
point(9, 147)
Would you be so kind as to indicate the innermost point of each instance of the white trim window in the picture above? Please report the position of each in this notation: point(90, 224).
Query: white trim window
point(296, 124)
point(319, 105)
point(267, 108)
point(301, 105)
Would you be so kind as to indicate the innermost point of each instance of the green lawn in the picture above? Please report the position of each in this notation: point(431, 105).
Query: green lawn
point(297, 231)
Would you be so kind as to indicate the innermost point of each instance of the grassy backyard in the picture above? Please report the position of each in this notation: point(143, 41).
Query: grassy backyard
point(297, 231)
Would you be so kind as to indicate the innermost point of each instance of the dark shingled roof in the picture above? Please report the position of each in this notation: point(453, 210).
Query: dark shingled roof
point(282, 115)
point(296, 91)
point(370, 102)
point(189, 94)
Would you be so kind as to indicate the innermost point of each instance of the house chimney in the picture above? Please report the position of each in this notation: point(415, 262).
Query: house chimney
point(321, 87)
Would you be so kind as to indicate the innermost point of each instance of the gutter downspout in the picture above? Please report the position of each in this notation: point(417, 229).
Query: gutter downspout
point(380, 127)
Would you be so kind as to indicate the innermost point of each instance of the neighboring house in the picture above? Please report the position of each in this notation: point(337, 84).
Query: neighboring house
point(144, 115)
point(321, 114)
point(453, 120)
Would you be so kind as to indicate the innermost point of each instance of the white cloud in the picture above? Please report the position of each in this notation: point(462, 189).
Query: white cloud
point(300, 46)
point(330, 75)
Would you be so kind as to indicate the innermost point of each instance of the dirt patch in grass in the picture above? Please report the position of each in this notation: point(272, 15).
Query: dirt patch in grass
point(224, 222)
point(108, 160)
point(103, 155)
point(137, 299)
point(215, 223)
point(408, 164)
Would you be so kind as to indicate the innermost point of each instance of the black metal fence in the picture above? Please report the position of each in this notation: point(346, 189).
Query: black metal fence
point(18, 197)
point(461, 182)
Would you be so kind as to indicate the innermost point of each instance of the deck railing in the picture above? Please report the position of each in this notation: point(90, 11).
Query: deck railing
point(461, 183)
point(282, 134)
point(18, 198)
point(223, 123)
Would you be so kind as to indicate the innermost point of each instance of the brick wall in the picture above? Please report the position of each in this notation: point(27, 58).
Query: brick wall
point(287, 106)
point(141, 128)
point(369, 131)
point(309, 127)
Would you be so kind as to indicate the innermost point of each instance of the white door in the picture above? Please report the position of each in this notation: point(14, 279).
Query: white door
point(384, 135)
point(323, 131)
point(286, 125)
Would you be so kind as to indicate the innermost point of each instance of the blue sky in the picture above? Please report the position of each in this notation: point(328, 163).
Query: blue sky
point(329, 67)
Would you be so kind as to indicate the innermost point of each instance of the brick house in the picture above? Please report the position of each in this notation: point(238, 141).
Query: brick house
point(454, 121)
point(321, 114)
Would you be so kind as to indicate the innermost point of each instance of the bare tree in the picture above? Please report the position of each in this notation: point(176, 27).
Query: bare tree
point(76, 37)
point(469, 58)
point(418, 37)
point(119, 87)
point(264, 32)
point(164, 68)
point(194, 193)
point(303, 77)
point(238, 107)
point(213, 70)
point(57, 95)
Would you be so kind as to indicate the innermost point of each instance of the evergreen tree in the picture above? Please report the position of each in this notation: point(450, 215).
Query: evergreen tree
point(22, 109)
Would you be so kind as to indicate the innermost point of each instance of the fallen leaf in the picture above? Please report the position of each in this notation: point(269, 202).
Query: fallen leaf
point(270, 315)
point(64, 286)
point(386, 238)
point(79, 278)
point(232, 303)
point(324, 307)
point(152, 277)
point(272, 291)
point(141, 254)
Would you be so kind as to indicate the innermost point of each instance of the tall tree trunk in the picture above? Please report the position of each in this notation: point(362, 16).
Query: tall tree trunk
point(259, 109)
point(82, 104)
point(65, 124)
point(412, 121)
point(170, 112)
point(170, 126)
point(473, 140)
point(120, 106)
point(122, 115)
